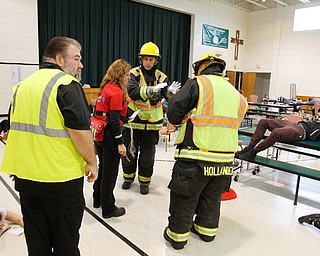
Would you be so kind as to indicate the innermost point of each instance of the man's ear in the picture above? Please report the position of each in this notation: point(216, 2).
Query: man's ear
point(59, 60)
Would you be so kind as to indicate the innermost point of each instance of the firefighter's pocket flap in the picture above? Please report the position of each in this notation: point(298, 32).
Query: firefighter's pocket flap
point(182, 184)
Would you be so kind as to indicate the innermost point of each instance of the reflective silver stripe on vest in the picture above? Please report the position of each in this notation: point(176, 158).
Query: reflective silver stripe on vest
point(204, 155)
point(216, 121)
point(14, 98)
point(41, 128)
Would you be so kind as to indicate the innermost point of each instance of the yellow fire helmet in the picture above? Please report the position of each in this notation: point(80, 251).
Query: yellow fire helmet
point(205, 61)
point(149, 49)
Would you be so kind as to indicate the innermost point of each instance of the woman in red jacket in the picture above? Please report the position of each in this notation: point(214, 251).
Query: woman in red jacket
point(111, 106)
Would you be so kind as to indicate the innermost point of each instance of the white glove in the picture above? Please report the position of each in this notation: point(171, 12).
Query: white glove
point(158, 87)
point(174, 87)
point(133, 116)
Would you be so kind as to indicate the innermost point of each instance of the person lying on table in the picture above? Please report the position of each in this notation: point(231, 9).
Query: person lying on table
point(281, 131)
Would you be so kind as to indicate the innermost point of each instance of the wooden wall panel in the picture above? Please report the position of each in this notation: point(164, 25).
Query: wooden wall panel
point(91, 93)
point(248, 83)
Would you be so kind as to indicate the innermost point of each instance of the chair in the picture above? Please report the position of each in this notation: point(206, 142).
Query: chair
point(253, 98)
point(166, 130)
point(316, 111)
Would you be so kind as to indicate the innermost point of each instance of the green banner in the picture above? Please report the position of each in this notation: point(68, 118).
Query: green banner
point(215, 36)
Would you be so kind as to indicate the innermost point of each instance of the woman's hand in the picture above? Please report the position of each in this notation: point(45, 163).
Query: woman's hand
point(122, 150)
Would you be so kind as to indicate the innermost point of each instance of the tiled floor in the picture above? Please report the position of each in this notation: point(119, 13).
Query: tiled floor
point(261, 221)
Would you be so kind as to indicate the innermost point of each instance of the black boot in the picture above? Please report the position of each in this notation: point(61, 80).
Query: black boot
point(126, 185)
point(203, 237)
point(144, 189)
point(249, 155)
point(174, 244)
point(245, 150)
point(96, 203)
point(116, 212)
point(309, 218)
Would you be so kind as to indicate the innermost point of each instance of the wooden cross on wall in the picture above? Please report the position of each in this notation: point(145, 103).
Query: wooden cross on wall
point(237, 41)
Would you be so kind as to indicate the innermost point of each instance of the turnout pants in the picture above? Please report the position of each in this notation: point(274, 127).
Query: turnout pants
point(193, 193)
point(143, 155)
point(51, 225)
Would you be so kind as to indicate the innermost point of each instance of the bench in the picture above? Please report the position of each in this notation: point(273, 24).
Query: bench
point(295, 149)
point(248, 121)
point(301, 171)
point(263, 113)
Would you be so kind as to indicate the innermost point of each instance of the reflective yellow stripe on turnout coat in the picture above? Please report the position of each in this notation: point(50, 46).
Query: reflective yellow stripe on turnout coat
point(147, 112)
point(216, 120)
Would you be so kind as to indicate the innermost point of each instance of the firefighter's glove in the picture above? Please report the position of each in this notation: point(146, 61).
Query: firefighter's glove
point(174, 87)
point(153, 91)
point(158, 87)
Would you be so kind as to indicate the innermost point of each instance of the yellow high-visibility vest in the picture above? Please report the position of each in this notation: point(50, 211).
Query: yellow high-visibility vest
point(39, 147)
point(216, 120)
point(152, 114)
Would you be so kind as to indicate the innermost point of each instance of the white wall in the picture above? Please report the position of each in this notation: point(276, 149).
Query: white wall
point(18, 43)
point(270, 45)
point(212, 13)
point(269, 42)
point(291, 57)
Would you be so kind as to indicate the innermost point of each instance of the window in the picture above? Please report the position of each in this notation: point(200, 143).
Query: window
point(306, 19)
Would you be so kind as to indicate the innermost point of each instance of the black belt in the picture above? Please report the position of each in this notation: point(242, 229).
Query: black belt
point(101, 113)
point(122, 118)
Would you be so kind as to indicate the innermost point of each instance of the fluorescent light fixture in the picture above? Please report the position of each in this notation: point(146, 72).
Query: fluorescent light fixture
point(305, 1)
point(255, 3)
point(280, 2)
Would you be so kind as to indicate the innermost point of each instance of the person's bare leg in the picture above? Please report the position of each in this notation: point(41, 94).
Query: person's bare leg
point(14, 218)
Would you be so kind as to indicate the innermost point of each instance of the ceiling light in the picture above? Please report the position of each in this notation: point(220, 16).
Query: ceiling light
point(305, 1)
point(280, 2)
point(255, 3)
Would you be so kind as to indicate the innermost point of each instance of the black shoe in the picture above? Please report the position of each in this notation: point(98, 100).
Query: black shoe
point(175, 245)
point(245, 150)
point(96, 202)
point(203, 237)
point(144, 189)
point(249, 155)
point(309, 218)
point(126, 185)
point(115, 213)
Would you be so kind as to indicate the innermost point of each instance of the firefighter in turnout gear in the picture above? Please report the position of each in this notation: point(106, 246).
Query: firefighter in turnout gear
point(146, 88)
point(209, 110)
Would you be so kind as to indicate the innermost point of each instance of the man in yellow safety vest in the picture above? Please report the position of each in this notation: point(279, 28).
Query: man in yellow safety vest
point(50, 149)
